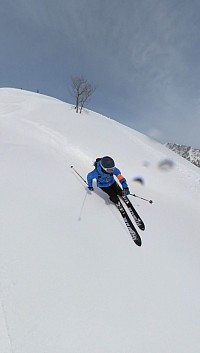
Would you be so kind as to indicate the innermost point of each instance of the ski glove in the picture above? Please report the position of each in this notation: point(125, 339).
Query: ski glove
point(125, 191)
point(91, 188)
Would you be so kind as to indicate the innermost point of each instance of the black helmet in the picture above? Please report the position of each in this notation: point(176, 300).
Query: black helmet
point(108, 164)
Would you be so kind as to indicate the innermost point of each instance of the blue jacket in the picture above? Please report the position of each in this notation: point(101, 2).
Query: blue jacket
point(104, 179)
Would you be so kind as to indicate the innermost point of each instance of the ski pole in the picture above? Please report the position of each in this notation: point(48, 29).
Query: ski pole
point(150, 201)
point(78, 174)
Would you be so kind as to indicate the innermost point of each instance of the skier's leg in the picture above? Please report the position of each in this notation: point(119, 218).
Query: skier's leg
point(116, 188)
point(112, 191)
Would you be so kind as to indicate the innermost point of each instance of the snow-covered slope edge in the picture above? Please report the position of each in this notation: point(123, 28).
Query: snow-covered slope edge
point(71, 279)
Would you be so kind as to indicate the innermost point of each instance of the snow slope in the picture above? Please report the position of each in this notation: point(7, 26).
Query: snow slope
point(71, 278)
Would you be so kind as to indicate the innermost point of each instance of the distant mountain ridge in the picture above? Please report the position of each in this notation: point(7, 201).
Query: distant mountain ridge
point(187, 152)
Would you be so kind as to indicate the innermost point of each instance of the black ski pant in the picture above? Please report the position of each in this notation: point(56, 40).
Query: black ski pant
point(113, 190)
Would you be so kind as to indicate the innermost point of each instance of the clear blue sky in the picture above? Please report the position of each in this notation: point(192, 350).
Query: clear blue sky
point(143, 55)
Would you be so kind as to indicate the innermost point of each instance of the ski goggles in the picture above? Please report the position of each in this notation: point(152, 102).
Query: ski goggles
point(109, 170)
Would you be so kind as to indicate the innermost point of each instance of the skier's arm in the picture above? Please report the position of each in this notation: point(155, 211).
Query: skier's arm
point(92, 175)
point(121, 178)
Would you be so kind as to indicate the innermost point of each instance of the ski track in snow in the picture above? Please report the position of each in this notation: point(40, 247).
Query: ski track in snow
point(6, 342)
point(58, 141)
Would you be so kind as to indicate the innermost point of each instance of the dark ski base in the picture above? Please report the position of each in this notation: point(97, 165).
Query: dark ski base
point(133, 212)
point(133, 232)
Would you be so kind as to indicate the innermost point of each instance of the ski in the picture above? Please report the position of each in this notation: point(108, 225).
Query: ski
point(133, 232)
point(133, 212)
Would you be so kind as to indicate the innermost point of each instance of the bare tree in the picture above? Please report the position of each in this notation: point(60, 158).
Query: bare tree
point(89, 90)
point(81, 91)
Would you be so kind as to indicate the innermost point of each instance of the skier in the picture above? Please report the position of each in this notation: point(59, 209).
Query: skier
point(104, 173)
